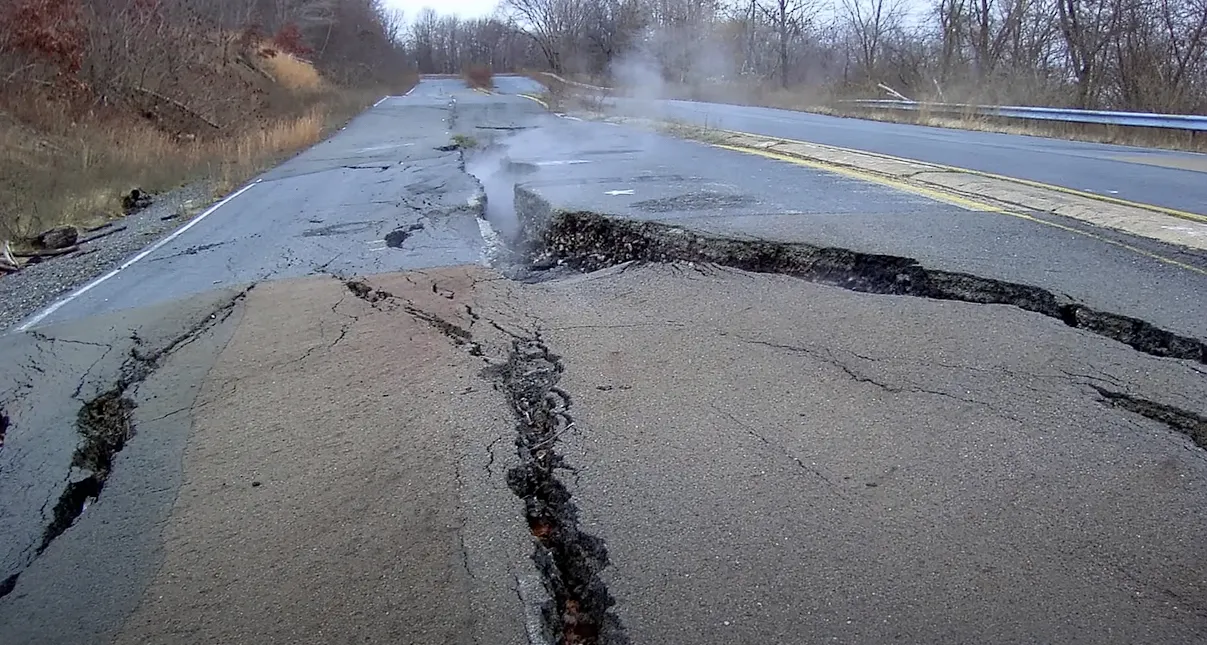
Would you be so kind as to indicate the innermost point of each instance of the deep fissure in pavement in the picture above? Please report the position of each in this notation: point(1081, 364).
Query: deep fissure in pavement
point(105, 427)
point(376, 297)
point(3, 427)
point(1188, 423)
point(569, 560)
point(590, 241)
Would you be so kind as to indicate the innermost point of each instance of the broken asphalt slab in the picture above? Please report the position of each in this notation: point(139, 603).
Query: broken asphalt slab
point(800, 463)
point(69, 395)
point(339, 208)
point(448, 454)
point(632, 177)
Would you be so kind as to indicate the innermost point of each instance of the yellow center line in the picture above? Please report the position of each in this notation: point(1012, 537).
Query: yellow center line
point(949, 198)
point(847, 171)
point(533, 98)
point(1172, 212)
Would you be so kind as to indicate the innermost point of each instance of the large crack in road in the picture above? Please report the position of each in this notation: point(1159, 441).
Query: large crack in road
point(570, 560)
point(104, 425)
point(591, 241)
point(1189, 423)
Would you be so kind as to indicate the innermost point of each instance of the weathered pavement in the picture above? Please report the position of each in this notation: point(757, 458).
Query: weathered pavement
point(1161, 177)
point(377, 446)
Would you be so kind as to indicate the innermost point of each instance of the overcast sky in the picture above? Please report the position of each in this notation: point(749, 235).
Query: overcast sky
point(463, 8)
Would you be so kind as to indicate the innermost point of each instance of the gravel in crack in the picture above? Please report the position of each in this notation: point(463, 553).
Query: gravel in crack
point(29, 290)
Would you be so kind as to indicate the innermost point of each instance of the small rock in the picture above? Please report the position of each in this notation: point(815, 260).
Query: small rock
point(59, 238)
point(135, 201)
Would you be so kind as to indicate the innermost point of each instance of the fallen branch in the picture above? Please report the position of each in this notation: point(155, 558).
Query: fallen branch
point(98, 236)
point(894, 93)
point(184, 108)
point(47, 253)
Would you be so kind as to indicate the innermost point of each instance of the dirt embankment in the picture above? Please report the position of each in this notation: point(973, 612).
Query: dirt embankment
point(186, 97)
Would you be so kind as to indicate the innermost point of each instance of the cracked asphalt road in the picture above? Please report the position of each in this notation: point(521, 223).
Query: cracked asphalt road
point(339, 417)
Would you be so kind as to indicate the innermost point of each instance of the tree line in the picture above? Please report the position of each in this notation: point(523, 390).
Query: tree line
point(1111, 54)
point(193, 54)
point(1148, 55)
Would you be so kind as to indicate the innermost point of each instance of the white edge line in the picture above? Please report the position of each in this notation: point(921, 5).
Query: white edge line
point(411, 90)
point(148, 251)
point(379, 101)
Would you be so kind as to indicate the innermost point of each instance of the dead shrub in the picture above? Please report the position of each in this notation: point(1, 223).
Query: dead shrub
point(480, 76)
point(291, 72)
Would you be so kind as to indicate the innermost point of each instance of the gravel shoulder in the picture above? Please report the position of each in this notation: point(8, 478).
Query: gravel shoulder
point(35, 287)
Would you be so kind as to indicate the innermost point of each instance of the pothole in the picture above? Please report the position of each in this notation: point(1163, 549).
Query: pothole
point(693, 202)
point(343, 228)
point(395, 238)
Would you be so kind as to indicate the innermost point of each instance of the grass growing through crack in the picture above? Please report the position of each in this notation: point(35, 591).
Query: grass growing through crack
point(464, 141)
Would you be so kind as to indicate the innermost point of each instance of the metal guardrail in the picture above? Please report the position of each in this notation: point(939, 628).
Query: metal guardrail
point(1191, 122)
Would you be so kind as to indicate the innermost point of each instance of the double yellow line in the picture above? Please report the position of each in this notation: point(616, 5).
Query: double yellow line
point(965, 202)
point(1172, 212)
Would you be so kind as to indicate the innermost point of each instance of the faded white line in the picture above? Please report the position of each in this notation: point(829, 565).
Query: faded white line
point(380, 101)
point(148, 251)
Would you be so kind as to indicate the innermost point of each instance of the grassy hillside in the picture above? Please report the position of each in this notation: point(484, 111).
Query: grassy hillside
point(103, 97)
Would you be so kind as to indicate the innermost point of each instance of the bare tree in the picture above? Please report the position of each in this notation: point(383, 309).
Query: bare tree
point(1088, 26)
point(789, 19)
point(869, 24)
point(552, 24)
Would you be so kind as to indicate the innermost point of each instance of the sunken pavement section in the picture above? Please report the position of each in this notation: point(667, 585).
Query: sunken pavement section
point(642, 429)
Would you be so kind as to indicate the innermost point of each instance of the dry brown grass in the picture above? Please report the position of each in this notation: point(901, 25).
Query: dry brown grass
point(291, 72)
point(80, 179)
